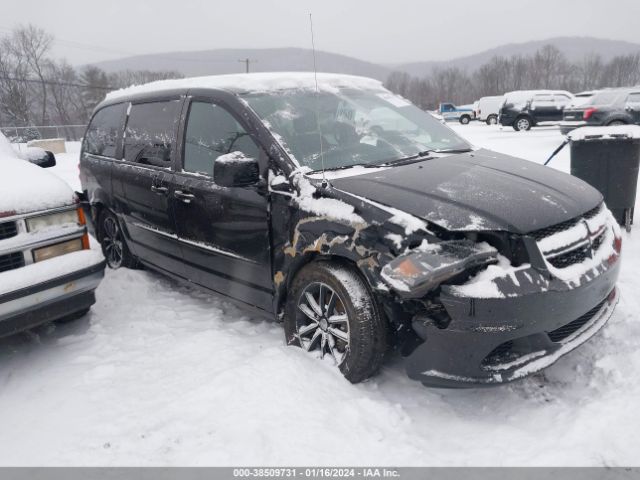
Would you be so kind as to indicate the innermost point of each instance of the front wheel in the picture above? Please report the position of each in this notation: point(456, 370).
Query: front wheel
point(331, 312)
point(114, 246)
point(465, 119)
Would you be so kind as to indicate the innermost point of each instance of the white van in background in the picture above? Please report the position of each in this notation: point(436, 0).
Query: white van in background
point(488, 109)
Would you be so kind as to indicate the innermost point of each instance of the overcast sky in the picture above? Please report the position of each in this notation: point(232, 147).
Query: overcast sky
point(385, 31)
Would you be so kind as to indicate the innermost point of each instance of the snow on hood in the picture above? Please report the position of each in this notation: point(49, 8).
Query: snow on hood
point(25, 187)
point(597, 133)
point(255, 82)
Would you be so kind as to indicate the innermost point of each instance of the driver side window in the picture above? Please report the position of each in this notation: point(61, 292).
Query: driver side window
point(211, 132)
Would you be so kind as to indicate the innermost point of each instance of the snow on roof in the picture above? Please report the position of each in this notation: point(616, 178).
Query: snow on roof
point(614, 131)
point(255, 82)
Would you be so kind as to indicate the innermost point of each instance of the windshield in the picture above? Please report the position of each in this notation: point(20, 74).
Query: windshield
point(359, 127)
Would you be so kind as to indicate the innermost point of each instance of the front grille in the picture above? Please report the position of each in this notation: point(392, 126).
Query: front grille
point(8, 230)
point(11, 261)
point(553, 229)
point(577, 255)
point(570, 328)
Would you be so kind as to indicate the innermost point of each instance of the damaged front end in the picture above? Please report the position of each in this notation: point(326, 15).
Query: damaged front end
point(491, 315)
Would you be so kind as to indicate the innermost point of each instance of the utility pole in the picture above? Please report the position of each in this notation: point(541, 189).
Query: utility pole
point(247, 62)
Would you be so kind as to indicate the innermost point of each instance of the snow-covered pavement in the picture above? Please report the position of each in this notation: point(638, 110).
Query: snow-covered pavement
point(163, 374)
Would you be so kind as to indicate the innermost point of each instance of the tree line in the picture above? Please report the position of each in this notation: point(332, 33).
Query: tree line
point(37, 89)
point(547, 68)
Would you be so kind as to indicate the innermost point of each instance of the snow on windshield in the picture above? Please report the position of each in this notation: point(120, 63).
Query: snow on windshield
point(349, 126)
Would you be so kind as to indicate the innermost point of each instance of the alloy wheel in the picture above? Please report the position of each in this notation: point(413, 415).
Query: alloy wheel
point(322, 322)
point(112, 243)
point(523, 124)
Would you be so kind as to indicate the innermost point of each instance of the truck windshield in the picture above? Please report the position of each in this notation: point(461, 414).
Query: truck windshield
point(359, 127)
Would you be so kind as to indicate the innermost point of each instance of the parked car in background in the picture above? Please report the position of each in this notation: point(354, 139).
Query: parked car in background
point(450, 112)
point(47, 271)
point(489, 109)
point(525, 109)
point(378, 231)
point(615, 106)
point(581, 98)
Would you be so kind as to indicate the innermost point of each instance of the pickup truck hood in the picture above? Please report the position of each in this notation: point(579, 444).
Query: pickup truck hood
point(26, 188)
point(475, 191)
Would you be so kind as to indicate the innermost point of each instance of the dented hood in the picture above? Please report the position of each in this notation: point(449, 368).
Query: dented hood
point(480, 190)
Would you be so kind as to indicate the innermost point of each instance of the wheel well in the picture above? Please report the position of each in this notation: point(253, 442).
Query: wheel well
point(621, 120)
point(311, 258)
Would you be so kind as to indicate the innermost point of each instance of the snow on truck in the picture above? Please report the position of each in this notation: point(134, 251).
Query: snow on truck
point(47, 271)
point(463, 113)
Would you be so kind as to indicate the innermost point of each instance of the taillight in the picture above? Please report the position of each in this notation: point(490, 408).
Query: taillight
point(588, 112)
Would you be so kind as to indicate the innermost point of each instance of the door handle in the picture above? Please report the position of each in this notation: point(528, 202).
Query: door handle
point(184, 197)
point(159, 190)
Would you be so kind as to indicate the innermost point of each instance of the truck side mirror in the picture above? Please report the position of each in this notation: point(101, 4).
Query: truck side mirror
point(45, 161)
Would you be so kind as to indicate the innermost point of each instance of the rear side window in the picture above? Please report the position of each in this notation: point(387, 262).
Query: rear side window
point(633, 99)
point(105, 130)
point(151, 132)
point(212, 131)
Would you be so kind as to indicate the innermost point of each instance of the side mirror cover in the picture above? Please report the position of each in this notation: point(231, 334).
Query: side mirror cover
point(48, 160)
point(235, 169)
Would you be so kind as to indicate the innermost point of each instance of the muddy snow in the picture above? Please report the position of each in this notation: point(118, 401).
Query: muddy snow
point(164, 374)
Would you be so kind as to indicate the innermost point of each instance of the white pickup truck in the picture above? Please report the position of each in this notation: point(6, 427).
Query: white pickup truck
point(47, 270)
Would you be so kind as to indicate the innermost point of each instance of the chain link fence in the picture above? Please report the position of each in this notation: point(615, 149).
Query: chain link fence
point(71, 133)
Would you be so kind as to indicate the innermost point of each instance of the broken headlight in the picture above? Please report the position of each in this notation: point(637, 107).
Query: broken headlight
point(414, 274)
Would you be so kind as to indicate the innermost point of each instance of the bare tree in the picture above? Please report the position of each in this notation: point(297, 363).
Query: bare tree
point(33, 45)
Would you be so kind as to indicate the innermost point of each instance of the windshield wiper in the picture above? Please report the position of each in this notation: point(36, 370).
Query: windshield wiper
point(424, 155)
point(453, 150)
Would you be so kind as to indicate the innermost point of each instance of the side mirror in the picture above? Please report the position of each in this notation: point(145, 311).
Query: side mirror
point(235, 169)
point(45, 161)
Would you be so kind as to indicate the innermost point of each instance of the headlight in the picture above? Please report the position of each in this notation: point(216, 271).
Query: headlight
point(419, 271)
point(45, 253)
point(53, 219)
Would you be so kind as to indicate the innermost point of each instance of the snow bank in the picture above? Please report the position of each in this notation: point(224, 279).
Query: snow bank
point(256, 82)
point(604, 133)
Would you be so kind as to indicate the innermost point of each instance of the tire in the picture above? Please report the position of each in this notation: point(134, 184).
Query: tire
point(465, 119)
point(113, 244)
point(349, 308)
point(613, 123)
point(492, 120)
point(74, 316)
point(522, 123)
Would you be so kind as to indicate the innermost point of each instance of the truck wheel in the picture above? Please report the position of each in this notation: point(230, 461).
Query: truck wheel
point(492, 120)
point(522, 123)
point(114, 246)
point(331, 312)
point(465, 119)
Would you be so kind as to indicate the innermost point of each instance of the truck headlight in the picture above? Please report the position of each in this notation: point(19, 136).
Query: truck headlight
point(414, 274)
point(52, 220)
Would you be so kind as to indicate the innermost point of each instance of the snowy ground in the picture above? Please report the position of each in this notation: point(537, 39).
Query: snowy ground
point(163, 374)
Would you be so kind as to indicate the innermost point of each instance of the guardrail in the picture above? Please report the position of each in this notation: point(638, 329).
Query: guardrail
point(71, 133)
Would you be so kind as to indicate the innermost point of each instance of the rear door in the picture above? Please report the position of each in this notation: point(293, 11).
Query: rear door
point(543, 108)
point(223, 232)
point(143, 180)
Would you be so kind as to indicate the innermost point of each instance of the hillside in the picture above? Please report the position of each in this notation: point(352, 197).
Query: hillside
point(575, 48)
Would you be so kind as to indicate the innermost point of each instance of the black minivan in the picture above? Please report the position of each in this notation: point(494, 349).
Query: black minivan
point(355, 218)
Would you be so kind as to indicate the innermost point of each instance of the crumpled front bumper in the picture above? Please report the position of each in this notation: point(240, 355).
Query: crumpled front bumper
point(496, 340)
